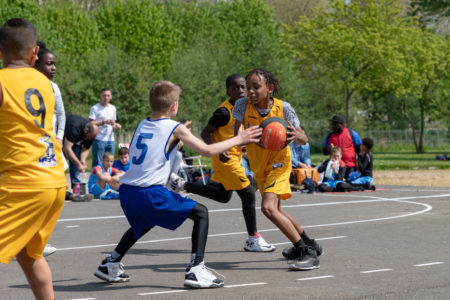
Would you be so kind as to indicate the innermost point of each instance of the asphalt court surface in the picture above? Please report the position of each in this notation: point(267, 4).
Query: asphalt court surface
point(393, 243)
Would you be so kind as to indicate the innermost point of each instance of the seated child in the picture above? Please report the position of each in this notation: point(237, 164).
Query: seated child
point(105, 178)
point(364, 176)
point(333, 170)
point(123, 163)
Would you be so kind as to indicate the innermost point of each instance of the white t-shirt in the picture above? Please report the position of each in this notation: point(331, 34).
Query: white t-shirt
point(150, 164)
point(99, 112)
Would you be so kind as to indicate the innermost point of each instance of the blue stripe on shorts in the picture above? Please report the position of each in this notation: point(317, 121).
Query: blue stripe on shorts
point(147, 207)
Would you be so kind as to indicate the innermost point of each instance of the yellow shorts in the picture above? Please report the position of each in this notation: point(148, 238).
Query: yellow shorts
point(232, 178)
point(277, 182)
point(27, 219)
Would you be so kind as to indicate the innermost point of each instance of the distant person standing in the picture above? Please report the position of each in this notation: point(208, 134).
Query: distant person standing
point(104, 115)
point(346, 139)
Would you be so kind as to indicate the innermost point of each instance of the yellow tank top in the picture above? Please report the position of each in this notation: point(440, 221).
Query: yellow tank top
point(225, 132)
point(30, 156)
point(262, 161)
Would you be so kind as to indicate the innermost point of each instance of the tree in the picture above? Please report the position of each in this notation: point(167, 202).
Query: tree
point(355, 46)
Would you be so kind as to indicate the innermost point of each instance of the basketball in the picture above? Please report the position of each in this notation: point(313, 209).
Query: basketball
point(274, 134)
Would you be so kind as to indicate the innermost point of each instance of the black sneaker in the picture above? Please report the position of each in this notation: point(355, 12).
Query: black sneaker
point(289, 253)
point(111, 272)
point(306, 260)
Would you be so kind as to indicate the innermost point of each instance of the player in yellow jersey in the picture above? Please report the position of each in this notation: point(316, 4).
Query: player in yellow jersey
point(229, 174)
point(32, 181)
point(272, 168)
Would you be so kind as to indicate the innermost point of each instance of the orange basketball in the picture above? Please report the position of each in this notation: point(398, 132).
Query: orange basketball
point(274, 134)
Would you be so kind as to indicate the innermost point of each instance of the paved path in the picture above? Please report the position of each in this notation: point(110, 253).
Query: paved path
point(390, 244)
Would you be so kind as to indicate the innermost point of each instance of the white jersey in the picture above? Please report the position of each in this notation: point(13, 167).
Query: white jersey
point(99, 112)
point(149, 162)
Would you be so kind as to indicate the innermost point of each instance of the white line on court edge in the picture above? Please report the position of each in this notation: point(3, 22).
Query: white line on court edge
point(83, 299)
point(165, 292)
point(321, 239)
point(375, 271)
point(429, 264)
point(318, 277)
point(376, 199)
point(245, 284)
point(73, 226)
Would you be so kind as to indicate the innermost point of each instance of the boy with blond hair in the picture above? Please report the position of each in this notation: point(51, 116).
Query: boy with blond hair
point(144, 198)
point(30, 154)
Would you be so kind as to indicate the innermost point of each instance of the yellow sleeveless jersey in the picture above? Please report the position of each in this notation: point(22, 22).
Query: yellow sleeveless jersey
point(272, 168)
point(230, 174)
point(30, 156)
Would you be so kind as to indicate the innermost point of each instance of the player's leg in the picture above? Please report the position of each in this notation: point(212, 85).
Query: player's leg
point(254, 241)
point(111, 268)
point(38, 275)
point(197, 275)
point(305, 257)
point(74, 174)
point(289, 253)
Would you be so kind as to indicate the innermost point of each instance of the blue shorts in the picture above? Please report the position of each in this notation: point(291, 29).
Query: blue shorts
point(331, 183)
point(363, 180)
point(147, 207)
point(96, 190)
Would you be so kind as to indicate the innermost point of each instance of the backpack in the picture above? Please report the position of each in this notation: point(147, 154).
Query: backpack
point(298, 175)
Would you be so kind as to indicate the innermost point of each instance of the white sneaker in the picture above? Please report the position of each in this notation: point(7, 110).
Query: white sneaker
point(201, 277)
point(49, 249)
point(257, 244)
point(175, 183)
point(111, 272)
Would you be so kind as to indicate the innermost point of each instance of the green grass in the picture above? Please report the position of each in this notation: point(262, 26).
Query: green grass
point(401, 161)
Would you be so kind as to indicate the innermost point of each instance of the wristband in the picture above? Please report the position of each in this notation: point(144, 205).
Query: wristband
point(103, 122)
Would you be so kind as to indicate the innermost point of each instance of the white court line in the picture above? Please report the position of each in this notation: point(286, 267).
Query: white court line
point(165, 292)
point(245, 284)
point(321, 239)
point(82, 298)
point(427, 208)
point(429, 264)
point(73, 226)
point(375, 271)
point(317, 277)
point(376, 199)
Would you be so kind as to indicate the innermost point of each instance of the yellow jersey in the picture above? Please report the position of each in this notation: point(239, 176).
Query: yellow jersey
point(30, 156)
point(272, 168)
point(230, 174)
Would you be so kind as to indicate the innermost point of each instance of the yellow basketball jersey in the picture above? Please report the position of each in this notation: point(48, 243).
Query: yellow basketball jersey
point(230, 174)
point(272, 168)
point(30, 156)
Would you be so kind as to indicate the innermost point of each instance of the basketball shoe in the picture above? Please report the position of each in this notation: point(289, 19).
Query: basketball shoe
point(48, 250)
point(306, 259)
point(257, 244)
point(175, 183)
point(289, 253)
point(201, 277)
point(111, 272)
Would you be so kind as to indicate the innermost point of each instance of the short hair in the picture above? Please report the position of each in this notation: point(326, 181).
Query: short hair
point(90, 126)
point(232, 78)
point(43, 50)
point(270, 79)
point(368, 142)
point(336, 149)
point(17, 37)
point(105, 89)
point(123, 151)
point(162, 94)
point(107, 154)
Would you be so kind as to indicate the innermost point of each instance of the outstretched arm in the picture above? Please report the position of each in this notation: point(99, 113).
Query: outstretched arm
point(251, 135)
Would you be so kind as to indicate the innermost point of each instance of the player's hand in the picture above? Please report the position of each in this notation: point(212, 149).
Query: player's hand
point(250, 135)
point(187, 123)
point(117, 126)
point(290, 133)
point(82, 167)
point(224, 157)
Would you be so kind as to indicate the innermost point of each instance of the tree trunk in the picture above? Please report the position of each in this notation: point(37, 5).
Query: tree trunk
point(348, 95)
point(422, 126)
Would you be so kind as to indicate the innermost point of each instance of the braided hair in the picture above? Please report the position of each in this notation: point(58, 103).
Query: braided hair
point(270, 79)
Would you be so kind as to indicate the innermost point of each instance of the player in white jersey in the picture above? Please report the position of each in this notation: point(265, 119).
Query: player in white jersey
point(144, 198)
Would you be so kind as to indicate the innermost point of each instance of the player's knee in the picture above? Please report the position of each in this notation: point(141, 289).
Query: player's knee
point(199, 212)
